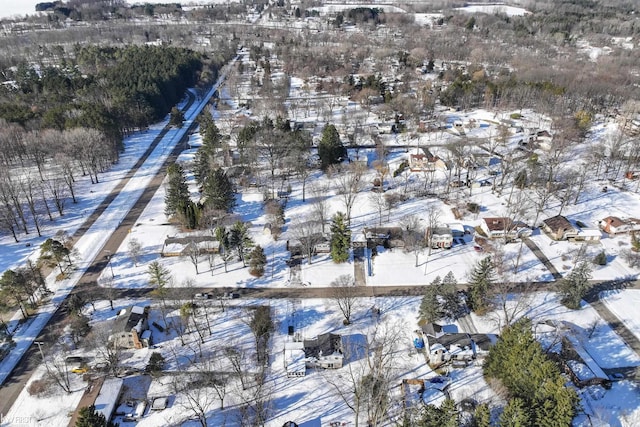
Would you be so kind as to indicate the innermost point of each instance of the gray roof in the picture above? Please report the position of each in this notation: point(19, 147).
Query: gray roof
point(127, 320)
point(324, 344)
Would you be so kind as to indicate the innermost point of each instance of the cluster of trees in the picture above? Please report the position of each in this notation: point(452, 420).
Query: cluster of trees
point(40, 170)
point(535, 387)
point(440, 300)
point(113, 90)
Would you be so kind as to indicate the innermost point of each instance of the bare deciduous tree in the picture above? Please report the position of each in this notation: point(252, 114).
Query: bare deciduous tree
point(349, 183)
point(343, 292)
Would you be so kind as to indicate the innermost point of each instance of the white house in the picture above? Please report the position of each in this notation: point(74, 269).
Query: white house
point(441, 237)
point(501, 227)
point(615, 225)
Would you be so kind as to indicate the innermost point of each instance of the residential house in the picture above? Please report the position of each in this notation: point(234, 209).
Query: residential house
point(614, 225)
point(183, 245)
point(389, 237)
point(426, 162)
point(324, 352)
point(441, 237)
point(503, 227)
point(456, 348)
point(559, 228)
point(131, 328)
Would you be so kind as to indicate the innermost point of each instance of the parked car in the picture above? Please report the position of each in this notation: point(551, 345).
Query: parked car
point(229, 295)
point(202, 296)
point(159, 403)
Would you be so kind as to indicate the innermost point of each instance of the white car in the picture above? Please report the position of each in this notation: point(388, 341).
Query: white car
point(201, 296)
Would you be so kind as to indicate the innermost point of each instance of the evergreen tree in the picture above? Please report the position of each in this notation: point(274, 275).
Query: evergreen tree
point(206, 154)
point(521, 365)
point(330, 148)
point(54, 252)
point(158, 275)
point(257, 261)
point(575, 285)
point(600, 259)
point(480, 282)
point(176, 117)
point(190, 214)
point(218, 192)
point(450, 301)
point(514, 414)
point(177, 194)
point(239, 240)
point(429, 309)
point(482, 416)
point(340, 239)
point(88, 417)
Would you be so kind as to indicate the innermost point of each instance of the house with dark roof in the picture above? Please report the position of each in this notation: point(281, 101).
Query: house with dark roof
point(559, 228)
point(325, 351)
point(131, 328)
point(503, 227)
point(458, 348)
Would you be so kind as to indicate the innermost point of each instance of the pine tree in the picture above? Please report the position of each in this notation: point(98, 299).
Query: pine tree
point(176, 117)
point(575, 285)
point(429, 306)
point(218, 192)
point(482, 416)
point(239, 239)
point(158, 275)
point(480, 282)
point(257, 261)
point(521, 365)
point(206, 154)
point(515, 414)
point(330, 148)
point(177, 194)
point(340, 239)
point(600, 259)
point(88, 417)
point(450, 301)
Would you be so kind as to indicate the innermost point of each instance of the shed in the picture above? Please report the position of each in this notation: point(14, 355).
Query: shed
point(108, 397)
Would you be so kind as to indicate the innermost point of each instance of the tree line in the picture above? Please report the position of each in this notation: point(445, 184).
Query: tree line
point(114, 90)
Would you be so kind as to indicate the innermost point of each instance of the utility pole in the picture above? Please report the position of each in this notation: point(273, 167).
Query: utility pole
point(39, 344)
point(109, 256)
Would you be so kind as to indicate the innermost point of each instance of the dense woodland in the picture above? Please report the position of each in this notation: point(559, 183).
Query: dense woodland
point(114, 90)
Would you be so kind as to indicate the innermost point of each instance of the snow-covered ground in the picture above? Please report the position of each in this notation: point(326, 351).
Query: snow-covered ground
point(312, 400)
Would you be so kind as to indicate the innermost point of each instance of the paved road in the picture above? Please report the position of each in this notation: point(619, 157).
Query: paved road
point(31, 359)
point(542, 257)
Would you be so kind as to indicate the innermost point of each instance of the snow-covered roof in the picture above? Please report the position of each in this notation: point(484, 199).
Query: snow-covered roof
point(591, 232)
point(294, 356)
point(108, 397)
